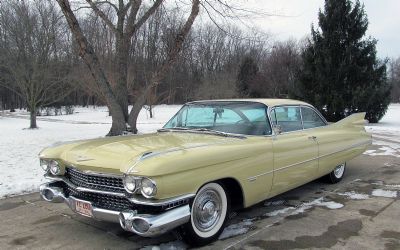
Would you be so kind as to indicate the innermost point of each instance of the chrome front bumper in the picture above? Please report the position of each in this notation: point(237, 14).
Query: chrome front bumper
point(142, 224)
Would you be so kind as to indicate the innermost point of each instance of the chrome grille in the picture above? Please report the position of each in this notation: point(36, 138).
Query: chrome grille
point(93, 181)
point(104, 201)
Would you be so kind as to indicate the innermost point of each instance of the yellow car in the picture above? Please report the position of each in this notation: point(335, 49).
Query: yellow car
point(210, 158)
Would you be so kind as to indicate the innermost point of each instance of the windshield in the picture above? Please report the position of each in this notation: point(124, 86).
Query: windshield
point(244, 118)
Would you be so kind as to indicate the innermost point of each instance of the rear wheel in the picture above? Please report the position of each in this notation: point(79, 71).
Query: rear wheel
point(208, 215)
point(337, 174)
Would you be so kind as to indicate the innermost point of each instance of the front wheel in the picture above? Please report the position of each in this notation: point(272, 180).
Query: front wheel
point(337, 174)
point(208, 215)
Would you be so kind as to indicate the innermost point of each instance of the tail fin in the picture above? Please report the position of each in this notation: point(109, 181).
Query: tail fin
point(357, 119)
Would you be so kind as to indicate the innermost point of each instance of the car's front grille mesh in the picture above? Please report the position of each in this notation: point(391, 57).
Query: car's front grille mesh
point(97, 182)
point(105, 201)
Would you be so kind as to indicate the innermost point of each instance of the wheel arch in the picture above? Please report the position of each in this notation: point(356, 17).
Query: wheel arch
point(234, 191)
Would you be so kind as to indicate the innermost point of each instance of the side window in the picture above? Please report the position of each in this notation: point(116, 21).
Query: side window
point(311, 119)
point(288, 118)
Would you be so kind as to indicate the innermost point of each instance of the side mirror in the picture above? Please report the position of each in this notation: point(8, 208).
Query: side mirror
point(277, 129)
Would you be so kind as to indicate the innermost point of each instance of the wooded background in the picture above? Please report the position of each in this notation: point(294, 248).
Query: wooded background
point(41, 57)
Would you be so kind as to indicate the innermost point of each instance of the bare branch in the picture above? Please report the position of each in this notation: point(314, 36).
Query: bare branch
point(133, 26)
point(102, 15)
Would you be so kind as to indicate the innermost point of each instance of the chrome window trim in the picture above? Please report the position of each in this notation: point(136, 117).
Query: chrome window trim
point(253, 178)
point(300, 106)
point(289, 105)
point(317, 112)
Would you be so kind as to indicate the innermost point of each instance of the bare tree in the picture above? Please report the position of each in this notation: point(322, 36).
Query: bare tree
point(130, 16)
point(32, 65)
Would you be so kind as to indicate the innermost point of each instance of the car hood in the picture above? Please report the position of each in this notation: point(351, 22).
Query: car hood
point(120, 154)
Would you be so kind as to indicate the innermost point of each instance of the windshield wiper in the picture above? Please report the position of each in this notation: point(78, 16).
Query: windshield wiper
point(171, 129)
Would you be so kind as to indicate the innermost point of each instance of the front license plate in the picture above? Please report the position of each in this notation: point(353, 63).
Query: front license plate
point(83, 208)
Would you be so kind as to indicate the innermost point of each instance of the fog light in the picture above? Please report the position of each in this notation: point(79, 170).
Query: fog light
point(54, 167)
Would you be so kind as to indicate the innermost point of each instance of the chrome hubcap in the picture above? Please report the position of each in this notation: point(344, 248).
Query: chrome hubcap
point(206, 210)
point(339, 170)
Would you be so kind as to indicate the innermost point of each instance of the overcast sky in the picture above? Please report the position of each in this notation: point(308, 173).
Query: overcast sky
point(383, 16)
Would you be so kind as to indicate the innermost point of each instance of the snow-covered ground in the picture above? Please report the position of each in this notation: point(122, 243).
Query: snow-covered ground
point(19, 147)
point(386, 133)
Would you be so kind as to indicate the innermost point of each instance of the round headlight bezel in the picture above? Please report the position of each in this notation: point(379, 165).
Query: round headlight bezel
point(54, 167)
point(130, 180)
point(148, 184)
point(44, 164)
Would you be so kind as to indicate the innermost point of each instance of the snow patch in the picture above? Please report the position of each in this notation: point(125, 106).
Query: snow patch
point(355, 196)
point(173, 245)
point(236, 229)
point(306, 206)
point(383, 151)
point(384, 193)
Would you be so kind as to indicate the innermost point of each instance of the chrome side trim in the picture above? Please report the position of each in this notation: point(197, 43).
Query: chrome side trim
point(144, 201)
point(295, 164)
point(364, 143)
point(253, 178)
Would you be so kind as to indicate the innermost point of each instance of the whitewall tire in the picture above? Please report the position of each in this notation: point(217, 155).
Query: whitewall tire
point(337, 173)
point(209, 212)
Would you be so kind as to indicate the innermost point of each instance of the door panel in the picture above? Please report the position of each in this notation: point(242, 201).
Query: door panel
point(295, 160)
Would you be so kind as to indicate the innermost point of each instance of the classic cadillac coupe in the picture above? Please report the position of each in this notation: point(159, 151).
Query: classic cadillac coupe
point(210, 158)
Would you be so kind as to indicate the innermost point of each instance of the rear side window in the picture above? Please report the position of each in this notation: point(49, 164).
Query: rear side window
point(311, 119)
point(289, 118)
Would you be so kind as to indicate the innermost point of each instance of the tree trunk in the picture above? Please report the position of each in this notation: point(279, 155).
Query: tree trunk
point(151, 110)
point(88, 55)
point(121, 89)
point(33, 118)
point(140, 101)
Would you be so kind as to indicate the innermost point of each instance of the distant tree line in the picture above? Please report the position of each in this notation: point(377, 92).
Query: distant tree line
point(41, 58)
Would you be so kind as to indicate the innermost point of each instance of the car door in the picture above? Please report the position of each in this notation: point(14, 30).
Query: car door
point(295, 150)
point(331, 142)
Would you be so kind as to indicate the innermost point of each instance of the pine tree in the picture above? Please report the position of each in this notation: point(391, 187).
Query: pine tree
point(247, 73)
point(341, 74)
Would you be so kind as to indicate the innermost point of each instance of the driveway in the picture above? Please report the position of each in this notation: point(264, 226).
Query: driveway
point(361, 212)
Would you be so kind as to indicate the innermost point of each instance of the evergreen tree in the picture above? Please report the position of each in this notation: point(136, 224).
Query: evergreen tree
point(247, 73)
point(341, 74)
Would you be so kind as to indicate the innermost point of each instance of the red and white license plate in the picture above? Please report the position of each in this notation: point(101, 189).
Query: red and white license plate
point(83, 208)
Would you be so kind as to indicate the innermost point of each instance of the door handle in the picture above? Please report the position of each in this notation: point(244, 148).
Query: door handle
point(312, 138)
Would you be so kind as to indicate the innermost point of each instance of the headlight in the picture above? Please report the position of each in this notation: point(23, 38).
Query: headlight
point(44, 164)
point(130, 184)
point(54, 167)
point(148, 188)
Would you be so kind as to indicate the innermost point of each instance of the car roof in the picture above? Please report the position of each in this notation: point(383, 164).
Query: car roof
point(270, 102)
